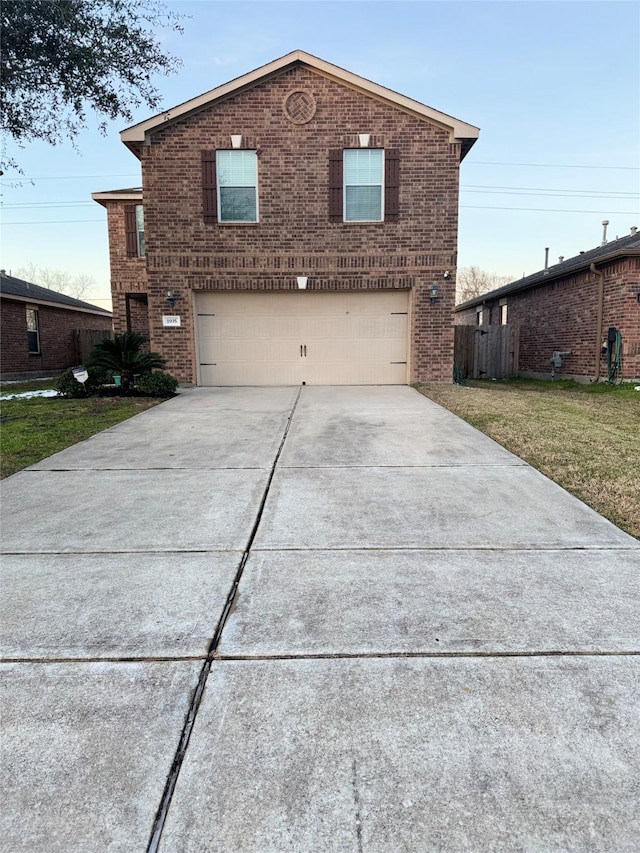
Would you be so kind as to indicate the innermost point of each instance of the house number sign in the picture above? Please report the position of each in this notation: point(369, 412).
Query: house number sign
point(170, 320)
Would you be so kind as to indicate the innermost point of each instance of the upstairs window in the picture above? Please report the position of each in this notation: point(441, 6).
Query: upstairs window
point(140, 230)
point(237, 185)
point(363, 185)
point(134, 230)
point(33, 331)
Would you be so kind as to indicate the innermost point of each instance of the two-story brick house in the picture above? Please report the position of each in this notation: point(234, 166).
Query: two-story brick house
point(298, 224)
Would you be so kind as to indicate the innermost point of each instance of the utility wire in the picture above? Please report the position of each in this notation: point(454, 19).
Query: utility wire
point(556, 210)
point(469, 162)
point(548, 165)
point(475, 206)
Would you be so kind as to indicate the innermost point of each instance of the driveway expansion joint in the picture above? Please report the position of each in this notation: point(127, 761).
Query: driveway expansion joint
point(183, 743)
point(540, 653)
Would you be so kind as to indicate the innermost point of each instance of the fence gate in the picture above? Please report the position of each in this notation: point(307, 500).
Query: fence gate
point(487, 352)
point(86, 339)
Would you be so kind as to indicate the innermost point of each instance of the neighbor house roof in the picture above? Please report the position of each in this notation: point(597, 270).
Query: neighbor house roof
point(25, 291)
point(623, 247)
point(134, 136)
point(131, 194)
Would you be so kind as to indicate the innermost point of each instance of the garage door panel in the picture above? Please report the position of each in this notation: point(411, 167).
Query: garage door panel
point(255, 338)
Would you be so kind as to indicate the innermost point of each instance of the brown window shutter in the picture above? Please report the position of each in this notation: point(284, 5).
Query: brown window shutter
point(209, 202)
point(335, 186)
point(391, 184)
point(131, 230)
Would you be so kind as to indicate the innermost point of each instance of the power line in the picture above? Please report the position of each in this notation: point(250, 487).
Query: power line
point(548, 165)
point(551, 195)
point(22, 178)
point(556, 210)
point(544, 189)
point(54, 222)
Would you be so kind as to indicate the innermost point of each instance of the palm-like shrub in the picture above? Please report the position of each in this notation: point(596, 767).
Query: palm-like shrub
point(124, 355)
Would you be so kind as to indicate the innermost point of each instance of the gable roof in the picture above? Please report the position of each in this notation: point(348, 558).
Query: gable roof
point(625, 246)
point(25, 291)
point(134, 136)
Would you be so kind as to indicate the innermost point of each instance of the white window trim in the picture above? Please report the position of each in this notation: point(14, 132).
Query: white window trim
point(141, 253)
point(344, 191)
point(218, 202)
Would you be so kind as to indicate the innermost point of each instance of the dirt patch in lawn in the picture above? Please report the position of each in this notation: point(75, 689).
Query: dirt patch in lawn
point(585, 438)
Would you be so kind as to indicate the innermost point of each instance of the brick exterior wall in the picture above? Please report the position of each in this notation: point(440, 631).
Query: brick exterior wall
point(57, 346)
point(128, 275)
point(562, 315)
point(294, 235)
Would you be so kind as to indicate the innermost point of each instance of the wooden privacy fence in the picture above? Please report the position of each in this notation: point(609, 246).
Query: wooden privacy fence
point(85, 339)
point(487, 352)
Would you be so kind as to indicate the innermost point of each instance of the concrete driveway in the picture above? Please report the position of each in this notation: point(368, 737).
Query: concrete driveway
point(327, 619)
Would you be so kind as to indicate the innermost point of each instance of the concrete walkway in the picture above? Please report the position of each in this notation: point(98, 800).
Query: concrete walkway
point(334, 620)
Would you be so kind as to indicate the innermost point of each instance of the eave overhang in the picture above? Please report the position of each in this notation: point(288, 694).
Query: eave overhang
point(530, 282)
point(137, 135)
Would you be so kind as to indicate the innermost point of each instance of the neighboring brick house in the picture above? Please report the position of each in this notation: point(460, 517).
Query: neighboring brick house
point(569, 308)
point(39, 328)
point(300, 225)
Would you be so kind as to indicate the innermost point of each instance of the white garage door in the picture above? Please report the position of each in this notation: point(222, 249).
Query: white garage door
point(302, 336)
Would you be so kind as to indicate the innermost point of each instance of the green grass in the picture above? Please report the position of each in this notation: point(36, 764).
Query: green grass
point(585, 437)
point(33, 429)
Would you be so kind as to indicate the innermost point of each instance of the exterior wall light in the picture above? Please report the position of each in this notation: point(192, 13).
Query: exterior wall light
point(302, 282)
point(171, 298)
point(236, 140)
point(433, 294)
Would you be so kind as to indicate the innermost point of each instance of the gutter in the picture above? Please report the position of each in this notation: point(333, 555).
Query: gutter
point(600, 275)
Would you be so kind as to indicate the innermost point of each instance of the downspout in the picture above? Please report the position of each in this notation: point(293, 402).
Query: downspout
point(600, 274)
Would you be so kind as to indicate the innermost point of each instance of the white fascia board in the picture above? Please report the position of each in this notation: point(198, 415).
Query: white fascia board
point(458, 129)
point(116, 196)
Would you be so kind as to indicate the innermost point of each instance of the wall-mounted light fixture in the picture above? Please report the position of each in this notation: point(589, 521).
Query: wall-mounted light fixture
point(236, 140)
point(364, 139)
point(302, 282)
point(433, 294)
point(171, 298)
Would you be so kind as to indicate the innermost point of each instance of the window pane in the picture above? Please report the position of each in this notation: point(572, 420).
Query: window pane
point(238, 204)
point(363, 166)
point(140, 229)
point(32, 338)
point(32, 320)
point(363, 204)
point(237, 168)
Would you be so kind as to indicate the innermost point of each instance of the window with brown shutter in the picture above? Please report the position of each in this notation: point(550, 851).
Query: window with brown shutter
point(131, 230)
point(391, 184)
point(209, 206)
point(335, 186)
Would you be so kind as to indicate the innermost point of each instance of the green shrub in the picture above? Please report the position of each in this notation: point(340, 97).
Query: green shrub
point(68, 385)
point(157, 384)
point(123, 356)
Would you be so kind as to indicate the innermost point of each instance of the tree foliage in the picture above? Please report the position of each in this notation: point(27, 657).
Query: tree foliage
point(61, 58)
point(58, 280)
point(473, 282)
point(123, 355)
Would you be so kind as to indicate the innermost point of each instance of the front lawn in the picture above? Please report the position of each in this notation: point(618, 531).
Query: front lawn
point(585, 437)
point(34, 428)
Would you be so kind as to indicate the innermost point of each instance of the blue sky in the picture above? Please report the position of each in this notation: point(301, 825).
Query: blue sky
point(555, 84)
